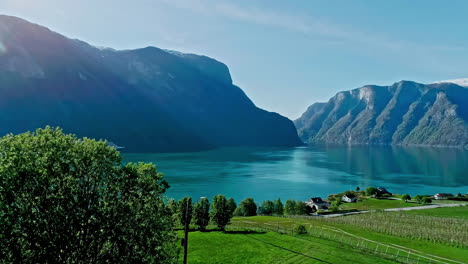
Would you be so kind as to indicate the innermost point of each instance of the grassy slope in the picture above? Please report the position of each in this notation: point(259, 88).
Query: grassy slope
point(270, 247)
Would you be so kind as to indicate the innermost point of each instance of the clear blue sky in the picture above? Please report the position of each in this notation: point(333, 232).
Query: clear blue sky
point(285, 55)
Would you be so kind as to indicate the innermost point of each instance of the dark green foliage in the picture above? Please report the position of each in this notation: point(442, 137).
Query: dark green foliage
point(239, 212)
point(266, 208)
point(247, 208)
point(278, 207)
point(231, 205)
point(185, 210)
point(201, 213)
point(358, 189)
point(290, 207)
point(426, 200)
point(220, 212)
point(333, 209)
point(300, 229)
point(69, 200)
point(371, 191)
point(418, 198)
point(406, 197)
point(301, 208)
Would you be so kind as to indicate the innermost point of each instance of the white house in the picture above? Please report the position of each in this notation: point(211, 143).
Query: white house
point(349, 198)
point(442, 196)
point(317, 203)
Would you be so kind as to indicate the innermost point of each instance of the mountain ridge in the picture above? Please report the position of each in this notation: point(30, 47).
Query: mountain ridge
point(405, 113)
point(146, 99)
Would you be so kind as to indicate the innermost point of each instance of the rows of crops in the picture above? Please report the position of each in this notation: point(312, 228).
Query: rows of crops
point(451, 231)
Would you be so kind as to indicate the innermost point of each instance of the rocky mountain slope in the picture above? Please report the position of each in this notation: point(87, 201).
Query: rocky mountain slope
point(145, 99)
point(405, 113)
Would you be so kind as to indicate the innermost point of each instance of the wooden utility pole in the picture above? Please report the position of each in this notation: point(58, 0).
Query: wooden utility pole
point(186, 229)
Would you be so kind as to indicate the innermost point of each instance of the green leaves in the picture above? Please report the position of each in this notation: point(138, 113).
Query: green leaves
point(70, 200)
point(220, 212)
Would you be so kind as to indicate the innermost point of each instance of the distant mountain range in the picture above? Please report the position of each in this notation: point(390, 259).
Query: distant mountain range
point(145, 99)
point(405, 113)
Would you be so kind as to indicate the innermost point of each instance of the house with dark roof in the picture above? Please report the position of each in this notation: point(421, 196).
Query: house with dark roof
point(382, 191)
point(349, 198)
point(442, 196)
point(317, 203)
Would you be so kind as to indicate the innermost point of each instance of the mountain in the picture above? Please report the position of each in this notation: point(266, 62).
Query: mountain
point(145, 99)
point(405, 113)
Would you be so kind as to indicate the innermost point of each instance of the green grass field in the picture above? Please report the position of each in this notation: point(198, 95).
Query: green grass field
point(452, 212)
point(271, 247)
point(350, 239)
point(430, 235)
point(375, 204)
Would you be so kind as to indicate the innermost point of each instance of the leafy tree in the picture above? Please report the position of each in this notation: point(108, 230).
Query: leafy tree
point(70, 200)
point(185, 210)
point(358, 189)
point(301, 208)
point(459, 195)
point(278, 207)
point(239, 212)
point(418, 198)
point(172, 206)
point(370, 191)
point(248, 207)
point(231, 205)
point(266, 208)
point(426, 200)
point(406, 197)
point(290, 207)
point(220, 212)
point(201, 213)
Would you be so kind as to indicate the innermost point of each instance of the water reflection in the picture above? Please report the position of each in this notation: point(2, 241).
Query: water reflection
point(297, 173)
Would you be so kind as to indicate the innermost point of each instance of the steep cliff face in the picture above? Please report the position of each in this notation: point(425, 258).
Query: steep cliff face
point(146, 99)
point(405, 113)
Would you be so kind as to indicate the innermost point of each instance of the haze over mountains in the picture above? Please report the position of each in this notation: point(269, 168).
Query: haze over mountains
point(145, 99)
point(405, 113)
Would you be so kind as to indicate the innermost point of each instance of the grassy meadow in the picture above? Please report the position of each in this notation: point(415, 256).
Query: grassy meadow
point(349, 239)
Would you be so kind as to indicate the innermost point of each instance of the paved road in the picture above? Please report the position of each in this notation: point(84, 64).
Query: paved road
point(425, 207)
point(401, 209)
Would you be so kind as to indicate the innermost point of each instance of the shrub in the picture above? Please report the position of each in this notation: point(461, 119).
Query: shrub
point(300, 229)
point(406, 197)
point(371, 191)
point(426, 200)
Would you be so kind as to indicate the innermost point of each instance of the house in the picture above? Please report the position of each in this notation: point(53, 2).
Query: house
point(442, 196)
point(349, 198)
point(383, 191)
point(317, 203)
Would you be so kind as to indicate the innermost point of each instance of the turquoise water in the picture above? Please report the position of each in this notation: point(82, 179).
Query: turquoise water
point(303, 172)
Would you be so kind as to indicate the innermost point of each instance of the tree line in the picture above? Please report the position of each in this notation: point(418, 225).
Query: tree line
point(221, 210)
